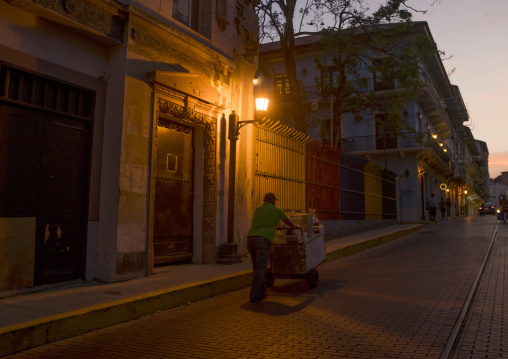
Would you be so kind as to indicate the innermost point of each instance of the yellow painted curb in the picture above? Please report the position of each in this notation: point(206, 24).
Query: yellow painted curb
point(373, 242)
point(28, 335)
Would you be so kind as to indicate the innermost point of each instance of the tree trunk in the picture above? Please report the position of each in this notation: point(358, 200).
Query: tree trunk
point(339, 107)
point(287, 44)
point(337, 121)
point(295, 92)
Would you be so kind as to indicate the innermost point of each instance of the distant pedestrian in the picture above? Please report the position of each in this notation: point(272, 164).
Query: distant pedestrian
point(432, 207)
point(442, 208)
point(259, 241)
point(503, 206)
point(448, 206)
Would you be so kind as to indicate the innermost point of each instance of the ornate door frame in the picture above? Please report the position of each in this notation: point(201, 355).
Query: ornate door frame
point(202, 117)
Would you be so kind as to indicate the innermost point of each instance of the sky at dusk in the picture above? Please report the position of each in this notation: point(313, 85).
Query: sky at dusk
point(474, 33)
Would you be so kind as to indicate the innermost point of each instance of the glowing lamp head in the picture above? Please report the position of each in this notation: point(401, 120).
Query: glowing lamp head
point(261, 104)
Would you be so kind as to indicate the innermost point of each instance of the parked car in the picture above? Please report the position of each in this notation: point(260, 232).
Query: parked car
point(487, 208)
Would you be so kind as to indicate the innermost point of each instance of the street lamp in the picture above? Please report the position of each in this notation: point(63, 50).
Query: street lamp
point(230, 248)
point(261, 104)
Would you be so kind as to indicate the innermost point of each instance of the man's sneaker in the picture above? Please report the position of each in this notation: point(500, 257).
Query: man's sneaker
point(257, 298)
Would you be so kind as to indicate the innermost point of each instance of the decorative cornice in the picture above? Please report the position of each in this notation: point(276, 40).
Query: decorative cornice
point(169, 93)
point(77, 12)
point(158, 43)
point(178, 97)
point(191, 84)
point(186, 111)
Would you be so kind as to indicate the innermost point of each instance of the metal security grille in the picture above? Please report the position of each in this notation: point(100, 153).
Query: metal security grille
point(280, 165)
point(39, 92)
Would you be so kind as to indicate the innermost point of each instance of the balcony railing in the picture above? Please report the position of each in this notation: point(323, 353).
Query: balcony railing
point(410, 140)
point(427, 82)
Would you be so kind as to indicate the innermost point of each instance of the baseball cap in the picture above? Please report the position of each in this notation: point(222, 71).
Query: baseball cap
point(269, 197)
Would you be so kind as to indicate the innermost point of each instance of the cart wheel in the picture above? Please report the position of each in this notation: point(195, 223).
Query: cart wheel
point(269, 279)
point(313, 278)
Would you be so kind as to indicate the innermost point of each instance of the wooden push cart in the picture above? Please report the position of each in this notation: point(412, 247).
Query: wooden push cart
point(296, 254)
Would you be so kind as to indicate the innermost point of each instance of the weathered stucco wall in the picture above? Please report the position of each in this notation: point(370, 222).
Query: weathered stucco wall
point(133, 182)
point(17, 252)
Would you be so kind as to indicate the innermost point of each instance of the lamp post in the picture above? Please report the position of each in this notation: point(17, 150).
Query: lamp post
point(229, 253)
point(384, 145)
point(421, 173)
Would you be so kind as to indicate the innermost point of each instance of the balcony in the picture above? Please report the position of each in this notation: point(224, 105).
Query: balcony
point(472, 168)
point(427, 147)
point(434, 106)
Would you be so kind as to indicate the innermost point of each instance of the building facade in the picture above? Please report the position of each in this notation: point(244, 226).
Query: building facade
point(429, 158)
point(113, 132)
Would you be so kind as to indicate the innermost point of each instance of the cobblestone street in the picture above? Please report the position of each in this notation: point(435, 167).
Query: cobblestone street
point(486, 331)
point(398, 300)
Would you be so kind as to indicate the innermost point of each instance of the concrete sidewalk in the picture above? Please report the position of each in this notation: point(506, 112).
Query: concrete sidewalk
point(36, 318)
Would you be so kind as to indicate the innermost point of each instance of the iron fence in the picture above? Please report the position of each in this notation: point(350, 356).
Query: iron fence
point(311, 175)
point(280, 165)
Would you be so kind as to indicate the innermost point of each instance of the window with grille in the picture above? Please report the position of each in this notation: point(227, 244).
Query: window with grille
point(383, 77)
point(330, 78)
point(281, 86)
point(36, 91)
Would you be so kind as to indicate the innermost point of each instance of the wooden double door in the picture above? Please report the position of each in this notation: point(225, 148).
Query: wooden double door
point(44, 173)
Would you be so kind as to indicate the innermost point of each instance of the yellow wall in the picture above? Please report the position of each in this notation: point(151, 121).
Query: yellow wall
point(373, 192)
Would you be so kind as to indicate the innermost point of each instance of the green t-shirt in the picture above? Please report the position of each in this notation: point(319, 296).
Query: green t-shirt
point(265, 221)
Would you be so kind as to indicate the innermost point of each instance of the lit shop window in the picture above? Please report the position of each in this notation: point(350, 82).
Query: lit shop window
point(281, 85)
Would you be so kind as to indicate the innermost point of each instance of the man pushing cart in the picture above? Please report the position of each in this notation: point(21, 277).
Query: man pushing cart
point(259, 240)
point(293, 252)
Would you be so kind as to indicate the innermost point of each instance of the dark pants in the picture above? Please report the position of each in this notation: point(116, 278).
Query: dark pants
point(432, 213)
point(259, 249)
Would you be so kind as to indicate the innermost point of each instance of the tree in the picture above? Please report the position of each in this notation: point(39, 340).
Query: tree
point(360, 40)
point(276, 22)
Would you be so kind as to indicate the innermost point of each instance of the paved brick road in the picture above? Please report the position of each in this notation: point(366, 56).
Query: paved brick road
point(486, 334)
point(399, 300)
